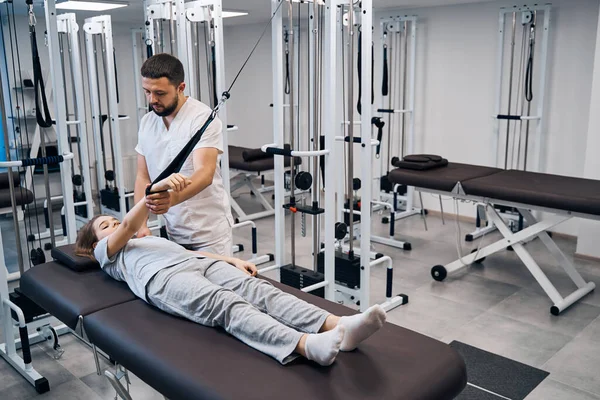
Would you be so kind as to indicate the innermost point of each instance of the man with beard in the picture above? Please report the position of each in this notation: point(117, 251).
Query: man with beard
point(199, 217)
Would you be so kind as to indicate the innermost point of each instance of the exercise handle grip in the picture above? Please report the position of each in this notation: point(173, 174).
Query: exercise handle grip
point(278, 151)
point(509, 117)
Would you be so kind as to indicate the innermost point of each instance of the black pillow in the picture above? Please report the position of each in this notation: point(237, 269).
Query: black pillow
point(420, 162)
point(66, 256)
point(250, 155)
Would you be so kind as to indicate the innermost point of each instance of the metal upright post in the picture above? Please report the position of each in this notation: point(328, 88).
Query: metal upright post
point(217, 19)
point(365, 154)
point(278, 128)
point(330, 127)
point(60, 115)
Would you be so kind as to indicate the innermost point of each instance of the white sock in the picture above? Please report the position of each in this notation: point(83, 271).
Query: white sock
point(323, 348)
point(360, 326)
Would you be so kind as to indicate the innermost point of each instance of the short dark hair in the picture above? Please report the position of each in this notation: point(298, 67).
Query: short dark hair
point(164, 65)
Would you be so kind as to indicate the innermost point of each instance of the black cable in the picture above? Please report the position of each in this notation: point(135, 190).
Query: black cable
point(384, 83)
point(255, 46)
point(287, 63)
point(529, 70)
point(14, 28)
point(44, 121)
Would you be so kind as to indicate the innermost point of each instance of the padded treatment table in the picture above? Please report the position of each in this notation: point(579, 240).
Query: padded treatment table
point(563, 196)
point(185, 360)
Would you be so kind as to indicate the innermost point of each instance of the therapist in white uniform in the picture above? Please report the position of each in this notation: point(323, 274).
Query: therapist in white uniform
point(199, 217)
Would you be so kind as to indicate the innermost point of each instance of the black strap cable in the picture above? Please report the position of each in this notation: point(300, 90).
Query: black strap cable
point(529, 70)
point(287, 62)
point(44, 121)
point(179, 160)
point(384, 83)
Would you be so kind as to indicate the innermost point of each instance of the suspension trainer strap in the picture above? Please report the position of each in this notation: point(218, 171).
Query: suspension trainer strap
point(44, 121)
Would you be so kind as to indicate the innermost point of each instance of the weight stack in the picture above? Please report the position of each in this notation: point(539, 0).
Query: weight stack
point(347, 270)
point(300, 278)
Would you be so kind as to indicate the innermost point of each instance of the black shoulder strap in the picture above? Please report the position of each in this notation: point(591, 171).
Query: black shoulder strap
point(177, 163)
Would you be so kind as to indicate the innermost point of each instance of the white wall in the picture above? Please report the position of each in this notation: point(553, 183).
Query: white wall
point(456, 85)
point(589, 231)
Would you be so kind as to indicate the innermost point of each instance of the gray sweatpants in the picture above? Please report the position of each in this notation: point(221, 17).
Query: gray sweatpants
point(215, 293)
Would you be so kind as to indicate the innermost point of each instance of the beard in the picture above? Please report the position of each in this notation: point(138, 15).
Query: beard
point(168, 110)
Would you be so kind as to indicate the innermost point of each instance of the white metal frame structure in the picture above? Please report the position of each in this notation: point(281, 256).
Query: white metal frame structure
point(540, 64)
point(407, 26)
point(516, 240)
point(363, 20)
point(278, 11)
point(101, 25)
point(138, 37)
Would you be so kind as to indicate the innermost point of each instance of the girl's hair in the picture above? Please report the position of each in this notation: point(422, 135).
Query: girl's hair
point(84, 246)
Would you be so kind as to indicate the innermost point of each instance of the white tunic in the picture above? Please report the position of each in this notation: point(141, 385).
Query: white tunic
point(205, 218)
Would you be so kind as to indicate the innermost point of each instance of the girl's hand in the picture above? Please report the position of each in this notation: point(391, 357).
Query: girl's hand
point(245, 266)
point(176, 182)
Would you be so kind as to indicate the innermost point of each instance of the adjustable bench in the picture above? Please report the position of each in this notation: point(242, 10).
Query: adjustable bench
point(184, 360)
point(562, 196)
point(244, 168)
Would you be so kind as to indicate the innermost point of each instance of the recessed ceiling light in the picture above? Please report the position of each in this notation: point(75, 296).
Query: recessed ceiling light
point(229, 14)
point(88, 5)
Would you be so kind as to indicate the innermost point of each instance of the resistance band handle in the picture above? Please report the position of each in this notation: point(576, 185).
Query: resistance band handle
point(42, 160)
point(276, 151)
point(385, 110)
point(379, 124)
point(385, 82)
point(510, 117)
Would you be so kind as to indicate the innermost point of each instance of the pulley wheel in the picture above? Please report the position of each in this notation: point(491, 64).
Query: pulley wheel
point(37, 256)
point(77, 180)
point(340, 230)
point(303, 180)
point(356, 184)
point(109, 175)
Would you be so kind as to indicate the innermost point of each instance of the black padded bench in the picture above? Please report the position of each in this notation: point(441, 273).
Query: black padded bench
point(563, 196)
point(184, 360)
